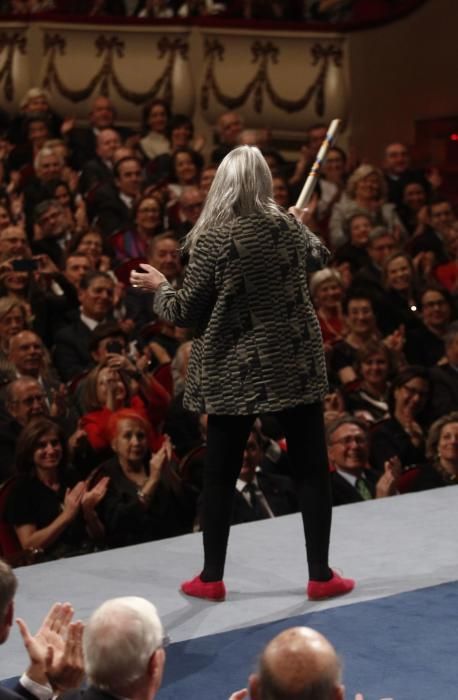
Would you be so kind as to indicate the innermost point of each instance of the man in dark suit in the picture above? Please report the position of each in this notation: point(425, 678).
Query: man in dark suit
point(259, 495)
point(352, 479)
point(433, 238)
point(47, 673)
point(99, 170)
point(71, 352)
point(398, 172)
point(113, 206)
point(124, 651)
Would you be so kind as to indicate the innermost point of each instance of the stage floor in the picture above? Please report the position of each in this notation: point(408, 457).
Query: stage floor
point(389, 546)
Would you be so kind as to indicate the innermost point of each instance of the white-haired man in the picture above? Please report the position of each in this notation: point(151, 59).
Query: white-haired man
point(123, 649)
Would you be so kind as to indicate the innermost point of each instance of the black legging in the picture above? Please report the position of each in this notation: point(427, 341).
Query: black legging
point(227, 436)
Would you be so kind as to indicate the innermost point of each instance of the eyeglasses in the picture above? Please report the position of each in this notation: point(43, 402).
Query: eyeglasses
point(431, 304)
point(349, 439)
point(413, 391)
point(30, 400)
point(148, 210)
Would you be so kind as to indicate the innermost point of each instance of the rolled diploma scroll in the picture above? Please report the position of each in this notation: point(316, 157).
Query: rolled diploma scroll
point(310, 183)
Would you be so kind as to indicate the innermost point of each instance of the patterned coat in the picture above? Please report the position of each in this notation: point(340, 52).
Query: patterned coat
point(257, 345)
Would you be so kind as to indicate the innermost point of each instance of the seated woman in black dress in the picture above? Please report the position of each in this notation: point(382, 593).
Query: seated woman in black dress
point(146, 499)
point(50, 508)
point(402, 435)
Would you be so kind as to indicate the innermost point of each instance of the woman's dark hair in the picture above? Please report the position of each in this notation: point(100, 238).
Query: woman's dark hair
point(28, 442)
point(404, 376)
point(195, 157)
point(147, 109)
point(176, 121)
point(29, 119)
point(51, 187)
point(140, 201)
point(74, 243)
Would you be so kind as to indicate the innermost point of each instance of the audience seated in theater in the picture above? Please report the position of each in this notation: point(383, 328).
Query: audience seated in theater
point(36, 131)
point(92, 244)
point(185, 168)
point(190, 206)
point(228, 129)
point(380, 245)
point(442, 454)
point(355, 249)
point(447, 273)
point(444, 378)
point(48, 166)
point(117, 384)
point(71, 351)
point(365, 193)
point(259, 495)
point(13, 243)
point(398, 173)
point(75, 267)
point(99, 170)
point(155, 122)
point(425, 345)
point(24, 399)
point(352, 479)
point(114, 207)
point(148, 221)
point(327, 293)
point(51, 232)
point(373, 367)
point(164, 254)
point(361, 327)
point(50, 507)
point(72, 203)
point(14, 318)
point(146, 499)
point(403, 434)
point(82, 141)
point(432, 239)
point(332, 181)
point(399, 308)
point(412, 210)
point(34, 102)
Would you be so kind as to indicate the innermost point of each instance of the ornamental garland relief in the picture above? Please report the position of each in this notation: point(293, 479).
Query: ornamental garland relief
point(118, 63)
point(282, 85)
point(13, 67)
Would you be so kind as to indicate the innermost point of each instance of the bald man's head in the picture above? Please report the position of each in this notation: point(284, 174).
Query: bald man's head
point(298, 664)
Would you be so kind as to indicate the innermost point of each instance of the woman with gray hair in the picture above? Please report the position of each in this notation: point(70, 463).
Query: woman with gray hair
point(365, 194)
point(257, 348)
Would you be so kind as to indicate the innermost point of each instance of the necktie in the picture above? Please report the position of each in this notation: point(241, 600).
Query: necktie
point(363, 489)
point(259, 510)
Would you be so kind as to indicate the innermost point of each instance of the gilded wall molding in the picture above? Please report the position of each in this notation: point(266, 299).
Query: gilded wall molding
point(109, 48)
point(265, 54)
point(11, 44)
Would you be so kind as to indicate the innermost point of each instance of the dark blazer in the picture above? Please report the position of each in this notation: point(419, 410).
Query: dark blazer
point(278, 492)
point(389, 439)
point(71, 349)
point(110, 212)
point(343, 492)
point(16, 693)
point(95, 172)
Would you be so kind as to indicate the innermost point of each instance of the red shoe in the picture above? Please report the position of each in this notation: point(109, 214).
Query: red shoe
point(212, 590)
point(320, 590)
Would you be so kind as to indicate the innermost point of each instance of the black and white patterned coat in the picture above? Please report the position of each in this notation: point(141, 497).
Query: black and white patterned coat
point(257, 345)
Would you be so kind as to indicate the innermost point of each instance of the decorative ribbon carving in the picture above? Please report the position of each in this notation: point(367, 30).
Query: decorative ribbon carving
point(264, 53)
point(10, 43)
point(110, 47)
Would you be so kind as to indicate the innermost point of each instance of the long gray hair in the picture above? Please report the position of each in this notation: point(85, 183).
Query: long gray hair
point(242, 186)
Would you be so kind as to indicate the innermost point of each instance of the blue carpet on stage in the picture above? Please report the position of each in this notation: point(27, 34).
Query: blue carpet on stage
point(402, 647)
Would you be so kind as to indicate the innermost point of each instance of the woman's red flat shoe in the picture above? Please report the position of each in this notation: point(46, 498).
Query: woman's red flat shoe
point(320, 590)
point(212, 590)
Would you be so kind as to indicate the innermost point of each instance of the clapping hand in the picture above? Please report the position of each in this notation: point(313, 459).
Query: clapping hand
point(55, 651)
